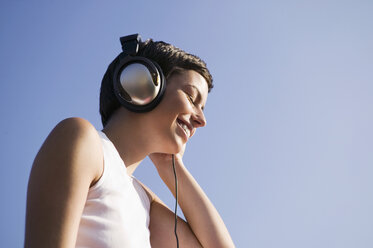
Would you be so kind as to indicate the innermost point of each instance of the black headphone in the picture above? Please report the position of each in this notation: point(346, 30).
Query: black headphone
point(139, 83)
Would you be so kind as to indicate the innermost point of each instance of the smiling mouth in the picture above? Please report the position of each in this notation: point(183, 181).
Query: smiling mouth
point(184, 127)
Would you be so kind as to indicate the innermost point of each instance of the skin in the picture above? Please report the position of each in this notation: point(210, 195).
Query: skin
point(71, 161)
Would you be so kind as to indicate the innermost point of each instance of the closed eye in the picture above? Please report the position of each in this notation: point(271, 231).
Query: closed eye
point(190, 98)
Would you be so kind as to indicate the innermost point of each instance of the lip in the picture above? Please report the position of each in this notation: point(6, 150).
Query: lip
point(182, 129)
point(188, 126)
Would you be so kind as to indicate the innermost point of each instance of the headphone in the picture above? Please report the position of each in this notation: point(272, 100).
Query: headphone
point(139, 83)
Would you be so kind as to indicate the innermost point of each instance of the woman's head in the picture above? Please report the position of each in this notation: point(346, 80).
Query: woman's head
point(175, 120)
point(172, 60)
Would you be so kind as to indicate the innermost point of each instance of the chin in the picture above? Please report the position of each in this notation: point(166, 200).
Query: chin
point(171, 144)
point(175, 146)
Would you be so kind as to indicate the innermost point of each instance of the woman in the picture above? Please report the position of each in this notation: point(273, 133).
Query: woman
point(81, 190)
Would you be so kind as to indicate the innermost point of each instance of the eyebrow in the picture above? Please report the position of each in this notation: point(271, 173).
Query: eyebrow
point(198, 92)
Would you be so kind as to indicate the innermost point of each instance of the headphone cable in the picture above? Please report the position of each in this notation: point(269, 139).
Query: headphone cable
point(173, 166)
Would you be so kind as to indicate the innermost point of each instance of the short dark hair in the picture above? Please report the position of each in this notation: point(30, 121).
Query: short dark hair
point(171, 60)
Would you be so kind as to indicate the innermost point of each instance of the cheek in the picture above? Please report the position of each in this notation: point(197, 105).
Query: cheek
point(175, 104)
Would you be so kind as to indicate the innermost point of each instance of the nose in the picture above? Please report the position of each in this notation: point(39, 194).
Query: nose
point(199, 119)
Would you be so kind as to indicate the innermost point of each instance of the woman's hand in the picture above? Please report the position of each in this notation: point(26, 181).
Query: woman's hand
point(164, 160)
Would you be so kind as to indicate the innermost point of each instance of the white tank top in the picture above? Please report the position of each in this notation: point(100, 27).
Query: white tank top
point(116, 213)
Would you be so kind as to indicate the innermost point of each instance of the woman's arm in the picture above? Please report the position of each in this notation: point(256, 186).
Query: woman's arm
point(162, 223)
point(68, 162)
point(202, 217)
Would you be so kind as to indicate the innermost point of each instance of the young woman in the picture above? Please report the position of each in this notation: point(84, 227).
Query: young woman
point(81, 190)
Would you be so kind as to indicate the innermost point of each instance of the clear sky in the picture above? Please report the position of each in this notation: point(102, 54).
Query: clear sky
point(287, 153)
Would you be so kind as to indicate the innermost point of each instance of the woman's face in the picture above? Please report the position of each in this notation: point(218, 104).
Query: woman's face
point(180, 112)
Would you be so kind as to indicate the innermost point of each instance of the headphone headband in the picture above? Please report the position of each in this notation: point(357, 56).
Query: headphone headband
point(130, 44)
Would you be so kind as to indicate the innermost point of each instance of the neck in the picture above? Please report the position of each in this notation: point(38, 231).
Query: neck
point(127, 134)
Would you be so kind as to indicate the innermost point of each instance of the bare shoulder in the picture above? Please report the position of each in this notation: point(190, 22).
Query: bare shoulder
point(75, 127)
point(74, 139)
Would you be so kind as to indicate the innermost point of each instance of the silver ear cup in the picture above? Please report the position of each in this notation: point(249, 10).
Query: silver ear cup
point(140, 86)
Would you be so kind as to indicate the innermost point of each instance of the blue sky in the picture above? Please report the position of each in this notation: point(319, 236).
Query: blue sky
point(286, 156)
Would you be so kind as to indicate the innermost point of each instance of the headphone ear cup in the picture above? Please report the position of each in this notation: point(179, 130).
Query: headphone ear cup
point(139, 83)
